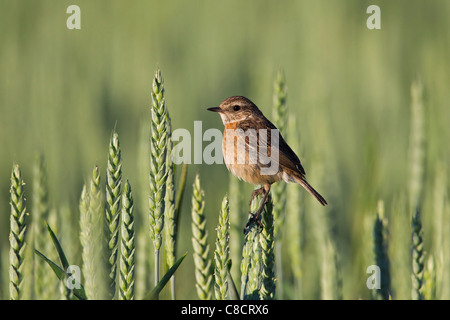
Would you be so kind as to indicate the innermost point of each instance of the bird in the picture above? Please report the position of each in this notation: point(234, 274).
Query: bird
point(249, 141)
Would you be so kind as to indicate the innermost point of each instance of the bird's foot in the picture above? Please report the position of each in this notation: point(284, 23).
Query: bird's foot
point(255, 217)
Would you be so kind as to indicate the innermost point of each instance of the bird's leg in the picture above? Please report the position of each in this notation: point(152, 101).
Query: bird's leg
point(258, 213)
point(255, 193)
point(255, 217)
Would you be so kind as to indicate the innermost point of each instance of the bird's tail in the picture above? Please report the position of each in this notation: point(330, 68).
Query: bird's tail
point(307, 186)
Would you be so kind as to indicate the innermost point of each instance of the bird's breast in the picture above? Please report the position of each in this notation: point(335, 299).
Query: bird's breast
point(241, 157)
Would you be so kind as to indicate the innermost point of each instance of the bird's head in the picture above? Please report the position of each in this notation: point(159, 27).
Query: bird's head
point(236, 108)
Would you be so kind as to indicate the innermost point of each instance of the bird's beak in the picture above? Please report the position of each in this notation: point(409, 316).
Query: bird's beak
point(215, 109)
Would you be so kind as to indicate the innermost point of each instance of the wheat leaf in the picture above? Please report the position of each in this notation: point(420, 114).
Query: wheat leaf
point(153, 295)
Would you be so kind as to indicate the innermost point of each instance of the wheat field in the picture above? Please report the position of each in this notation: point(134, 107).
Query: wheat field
point(86, 176)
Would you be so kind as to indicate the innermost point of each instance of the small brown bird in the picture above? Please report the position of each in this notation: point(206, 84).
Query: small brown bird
point(255, 151)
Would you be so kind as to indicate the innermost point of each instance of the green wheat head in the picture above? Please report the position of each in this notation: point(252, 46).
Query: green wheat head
point(330, 274)
point(17, 234)
point(266, 241)
point(278, 190)
point(157, 160)
point(127, 253)
point(236, 222)
point(279, 112)
point(169, 212)
point(439, 259)
point(248, 262)
point(222, 252)
point(429, 277)
point(112, 206)
point(40, 213)
point(43, 280)
point(258, 258)
point(418, 257)
point(91, 237)
point(202, 262)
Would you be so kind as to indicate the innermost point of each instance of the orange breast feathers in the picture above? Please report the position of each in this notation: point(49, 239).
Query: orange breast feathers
point(240, 152)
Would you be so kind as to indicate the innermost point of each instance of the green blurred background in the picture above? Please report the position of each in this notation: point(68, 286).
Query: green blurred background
point(63, 91)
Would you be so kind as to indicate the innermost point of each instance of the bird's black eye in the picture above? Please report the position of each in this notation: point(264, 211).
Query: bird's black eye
point(236, 108)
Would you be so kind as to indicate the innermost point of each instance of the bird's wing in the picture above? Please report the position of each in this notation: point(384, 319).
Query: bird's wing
point(257, 135)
